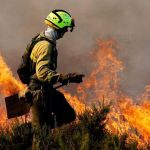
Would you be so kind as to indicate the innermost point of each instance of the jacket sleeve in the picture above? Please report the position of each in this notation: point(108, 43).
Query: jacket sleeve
point(43, 71)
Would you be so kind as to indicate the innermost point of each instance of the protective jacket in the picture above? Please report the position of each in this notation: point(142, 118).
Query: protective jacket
point(49, 106)
point(44, 62)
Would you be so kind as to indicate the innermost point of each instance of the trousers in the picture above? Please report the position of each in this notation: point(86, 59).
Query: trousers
point(49, 108)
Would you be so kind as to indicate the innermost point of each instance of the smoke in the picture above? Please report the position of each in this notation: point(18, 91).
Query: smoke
point(125, 21)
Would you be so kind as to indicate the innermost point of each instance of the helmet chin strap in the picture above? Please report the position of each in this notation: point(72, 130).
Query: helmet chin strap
point(52, 34)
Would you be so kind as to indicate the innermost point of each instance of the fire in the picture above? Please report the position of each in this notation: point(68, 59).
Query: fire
point(3, 118)
point(75, 102)
point(140, 118)
point(8, 84)
point(102, 84)
point(131, 119)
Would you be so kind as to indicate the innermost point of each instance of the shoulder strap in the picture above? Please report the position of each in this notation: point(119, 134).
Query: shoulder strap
point(37, 39)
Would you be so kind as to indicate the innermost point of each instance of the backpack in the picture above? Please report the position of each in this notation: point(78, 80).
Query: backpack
point(24, 71)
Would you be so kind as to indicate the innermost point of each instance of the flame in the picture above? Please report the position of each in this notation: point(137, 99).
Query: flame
point(75, 102)
point(3, 117)
point(140, 118)
point(103, 82)
point(132, 119)
point(101, 85)
point(8, 84)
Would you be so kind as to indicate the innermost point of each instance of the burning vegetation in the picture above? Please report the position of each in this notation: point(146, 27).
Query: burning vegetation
point(102, 87)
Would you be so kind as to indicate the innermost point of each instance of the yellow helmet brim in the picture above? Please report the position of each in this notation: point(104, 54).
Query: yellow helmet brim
point(50, 24)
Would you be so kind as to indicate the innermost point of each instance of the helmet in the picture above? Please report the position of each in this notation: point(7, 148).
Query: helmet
point(60, 19)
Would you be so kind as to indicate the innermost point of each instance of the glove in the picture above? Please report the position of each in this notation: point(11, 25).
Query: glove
point(71, 77)
point(64, 79)
point(75, 77)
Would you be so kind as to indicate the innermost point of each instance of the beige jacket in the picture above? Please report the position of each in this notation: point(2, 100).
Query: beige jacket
point(44, 59)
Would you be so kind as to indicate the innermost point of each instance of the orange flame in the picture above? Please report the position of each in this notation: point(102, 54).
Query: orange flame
point(75, 102)
point(140, 118)
point(3, 117)
point(8, 84)
point(103, 84)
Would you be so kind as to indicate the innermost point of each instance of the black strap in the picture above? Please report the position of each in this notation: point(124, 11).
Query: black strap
point(37, 39)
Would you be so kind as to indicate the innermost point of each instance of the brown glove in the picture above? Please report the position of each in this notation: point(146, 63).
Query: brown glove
point(75, 77)
point(63, 79)
point(71, 77)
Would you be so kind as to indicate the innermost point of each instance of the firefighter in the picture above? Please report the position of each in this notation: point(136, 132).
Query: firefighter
point(49, 106)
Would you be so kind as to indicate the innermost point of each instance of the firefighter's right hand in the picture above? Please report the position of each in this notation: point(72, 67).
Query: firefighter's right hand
point(75, 77)
point(64, 79)
point(71, 77)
